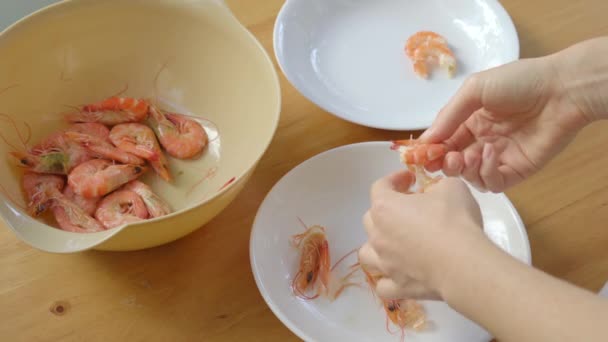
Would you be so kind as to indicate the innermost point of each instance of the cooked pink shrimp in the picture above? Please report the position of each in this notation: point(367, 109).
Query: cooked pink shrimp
point(73, 218)
point(103, 149)
point(140, 140)
point(155, 205)
point(421, 38)
point(112, 111)
point(426, 46)
point(181, 136)
point(55, 155)
point(88, 205)
point(90, 128)
point(98, 177)
point(416, 155)
point(37, 188)
point(121, 207)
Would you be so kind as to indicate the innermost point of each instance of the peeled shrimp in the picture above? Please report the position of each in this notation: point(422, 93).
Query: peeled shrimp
point(103, 149)
point(140, 140)
point(121, 207)
point(154, 204)
point(416, 155)
point(98, 177)
point(112, 111)
point(38, 189)
point(424, 47)
point(181, 136)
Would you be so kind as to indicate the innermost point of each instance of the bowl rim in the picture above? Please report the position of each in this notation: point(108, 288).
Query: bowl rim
point(258, 47)
point(336, 110)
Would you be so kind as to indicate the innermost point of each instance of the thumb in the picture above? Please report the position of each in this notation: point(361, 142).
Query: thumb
point(400, 182)
point(466, 101)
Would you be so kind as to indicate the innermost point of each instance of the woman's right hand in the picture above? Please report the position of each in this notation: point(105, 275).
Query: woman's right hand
point(505, 123)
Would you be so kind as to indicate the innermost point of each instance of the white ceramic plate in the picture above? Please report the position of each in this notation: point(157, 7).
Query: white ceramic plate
point(332, 189)
point(347, 56)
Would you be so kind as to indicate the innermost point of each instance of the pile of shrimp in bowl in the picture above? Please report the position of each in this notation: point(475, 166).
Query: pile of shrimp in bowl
point(87, 176)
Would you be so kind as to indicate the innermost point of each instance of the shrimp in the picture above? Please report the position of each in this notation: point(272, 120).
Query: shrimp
point(426, 46)
point(155, 205)
point(72, 218)
point(121, 207)
point(88, 205)
point(112, 111)
point(37, 188)
point(181, 136)
point(314, 262)
point(90, 128)
point(140, 140)
point(416, 155)
point(104, 149)
point(404, 313)
point(55, 155)
point(98, 177)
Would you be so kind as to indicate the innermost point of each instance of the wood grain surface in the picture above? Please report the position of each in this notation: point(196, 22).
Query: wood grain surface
point(201, 288)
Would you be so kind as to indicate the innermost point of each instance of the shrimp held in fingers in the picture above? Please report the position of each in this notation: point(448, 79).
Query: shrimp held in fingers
point(182, 137)
point(139, 139)
point(112, 111)
point(99, 177)
point(103, 149)
point(121, 207)
point(155, 205)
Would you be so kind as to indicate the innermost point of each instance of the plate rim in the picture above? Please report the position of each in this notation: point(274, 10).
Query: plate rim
point(252, 258)
point(339, 113)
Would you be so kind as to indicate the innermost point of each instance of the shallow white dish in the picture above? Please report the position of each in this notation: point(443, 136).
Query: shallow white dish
point(347, 56)
point(332, 190)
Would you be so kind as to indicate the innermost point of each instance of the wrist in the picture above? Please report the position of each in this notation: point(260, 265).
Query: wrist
point(582, 74)
point(475, 254)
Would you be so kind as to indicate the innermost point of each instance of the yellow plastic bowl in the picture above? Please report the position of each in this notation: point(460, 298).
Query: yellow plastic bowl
point(79, 52)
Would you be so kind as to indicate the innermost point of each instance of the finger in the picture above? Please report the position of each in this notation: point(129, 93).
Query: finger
point(461, 139)
point(453, 164)
point(368, 224)
point(399, 182)
point(435, 165)
point(470, 172)
point(368, 258)
point(488, 171)
point(416, 290)
point(386, 288)
point(510, 175)
point(459, 108)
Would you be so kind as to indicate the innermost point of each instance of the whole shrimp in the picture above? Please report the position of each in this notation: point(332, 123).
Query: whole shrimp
point(121, 207)
point(55, 155)
point(139, 139)
point(112, 111)
point(72, 218)
point(181, 136)
point(88, 205)
point(154, 204)
point(103, 149)
point(38, 189)
point(90, 128)
point(98, 177)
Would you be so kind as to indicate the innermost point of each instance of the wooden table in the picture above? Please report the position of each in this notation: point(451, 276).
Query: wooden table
point(201, 287)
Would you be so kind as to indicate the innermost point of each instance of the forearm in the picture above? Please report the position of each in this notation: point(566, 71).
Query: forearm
point(583, 72)
point(519, 303)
